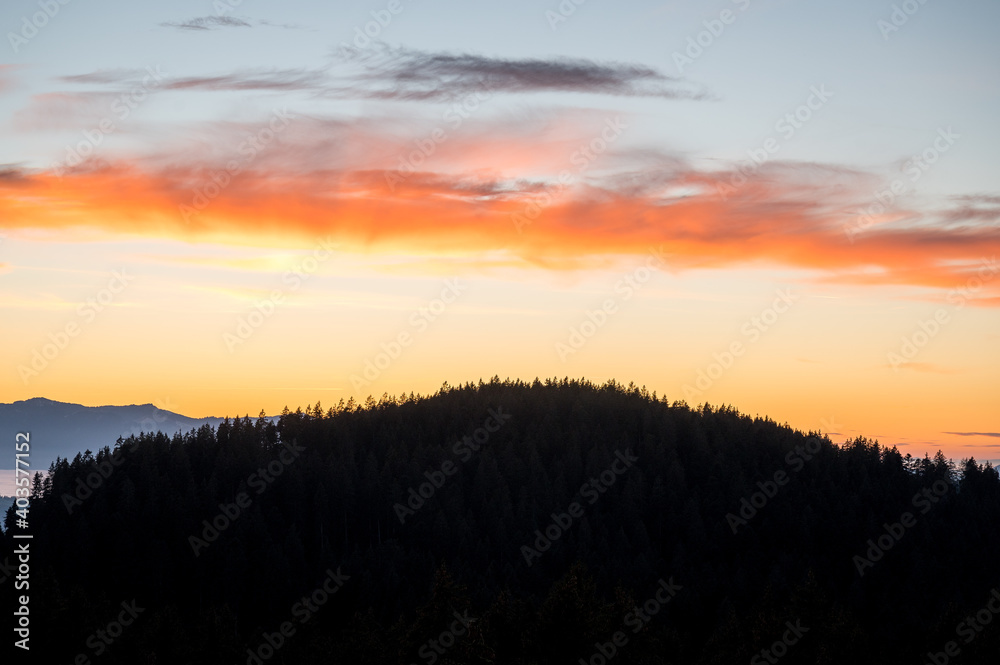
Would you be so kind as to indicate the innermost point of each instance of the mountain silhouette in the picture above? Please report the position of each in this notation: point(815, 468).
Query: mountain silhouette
point(61, 429)
point(508, 522)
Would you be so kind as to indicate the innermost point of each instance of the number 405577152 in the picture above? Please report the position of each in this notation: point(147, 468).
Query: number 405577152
point(22, 448)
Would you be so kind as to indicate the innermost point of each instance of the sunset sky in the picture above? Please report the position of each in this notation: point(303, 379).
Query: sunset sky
point(789, 207)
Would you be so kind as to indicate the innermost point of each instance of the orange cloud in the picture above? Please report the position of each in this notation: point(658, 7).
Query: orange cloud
point(788, 215)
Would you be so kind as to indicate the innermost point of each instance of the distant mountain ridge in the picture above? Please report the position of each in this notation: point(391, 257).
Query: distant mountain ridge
point(61, 429)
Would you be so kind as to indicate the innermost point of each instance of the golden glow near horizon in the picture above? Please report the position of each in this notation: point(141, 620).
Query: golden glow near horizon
point(263, 329)
point(231, 226)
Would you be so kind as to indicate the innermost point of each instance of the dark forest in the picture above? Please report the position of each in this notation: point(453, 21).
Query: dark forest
point(509, 522)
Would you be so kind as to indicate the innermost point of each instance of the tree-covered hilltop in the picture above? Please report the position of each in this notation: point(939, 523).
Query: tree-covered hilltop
point(509, 522)
point(5, 503)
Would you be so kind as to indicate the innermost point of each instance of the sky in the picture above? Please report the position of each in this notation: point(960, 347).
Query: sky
point(788, 207)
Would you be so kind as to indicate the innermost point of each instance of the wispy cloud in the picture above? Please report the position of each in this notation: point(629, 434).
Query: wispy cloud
point(409, 74)
point(246, 80)
point(208, 23)
point(202, 23)
point(993, 434)
point(110, 77)
point(974, 209)
point(283, 79)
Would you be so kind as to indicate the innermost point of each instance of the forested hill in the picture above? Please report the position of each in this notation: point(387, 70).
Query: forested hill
point(541, 516)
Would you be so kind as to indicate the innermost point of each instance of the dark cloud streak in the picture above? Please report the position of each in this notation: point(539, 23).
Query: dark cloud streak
point(283, 79)
point(407, 74)
point(994, 434)
point(978, 209)
point(208, 23)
